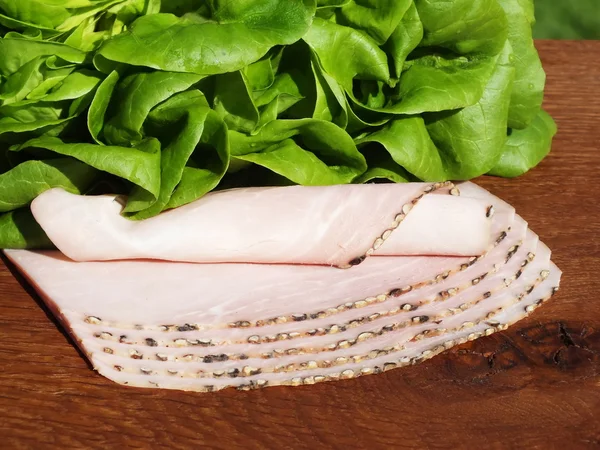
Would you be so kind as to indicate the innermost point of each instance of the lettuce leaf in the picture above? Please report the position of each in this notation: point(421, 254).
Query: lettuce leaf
point(166, 101)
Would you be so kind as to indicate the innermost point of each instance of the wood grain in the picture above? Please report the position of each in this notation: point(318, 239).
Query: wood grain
point(535, 386)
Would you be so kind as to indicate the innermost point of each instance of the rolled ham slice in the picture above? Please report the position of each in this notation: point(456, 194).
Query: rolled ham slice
point(337, 225)
point(186, 325)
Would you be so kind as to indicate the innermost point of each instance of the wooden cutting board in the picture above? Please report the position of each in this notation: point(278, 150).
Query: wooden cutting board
point(536, 385)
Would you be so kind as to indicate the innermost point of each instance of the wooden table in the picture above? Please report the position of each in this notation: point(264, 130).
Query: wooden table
point(535, 386)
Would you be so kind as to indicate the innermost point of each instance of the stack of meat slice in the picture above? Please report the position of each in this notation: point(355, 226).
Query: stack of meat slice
point(285, 286)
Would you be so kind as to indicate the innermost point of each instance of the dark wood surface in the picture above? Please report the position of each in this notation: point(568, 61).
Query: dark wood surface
point(535, 386)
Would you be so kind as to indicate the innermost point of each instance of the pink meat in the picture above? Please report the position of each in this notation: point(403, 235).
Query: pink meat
point(121, 370)
point(332, 330)
point(262, 291)
point(292, 225)
point(182, 325)
point(470, 299)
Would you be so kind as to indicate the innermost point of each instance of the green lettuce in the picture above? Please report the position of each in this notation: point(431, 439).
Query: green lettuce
point(168, 101)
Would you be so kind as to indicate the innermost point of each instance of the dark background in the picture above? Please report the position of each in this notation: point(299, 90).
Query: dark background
point(567, 19)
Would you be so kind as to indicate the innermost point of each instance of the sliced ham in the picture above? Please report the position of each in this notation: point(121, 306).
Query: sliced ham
point(296, 364)
point(461, 311)
point(429, 304)
point(336, 225)
point(147, 322)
